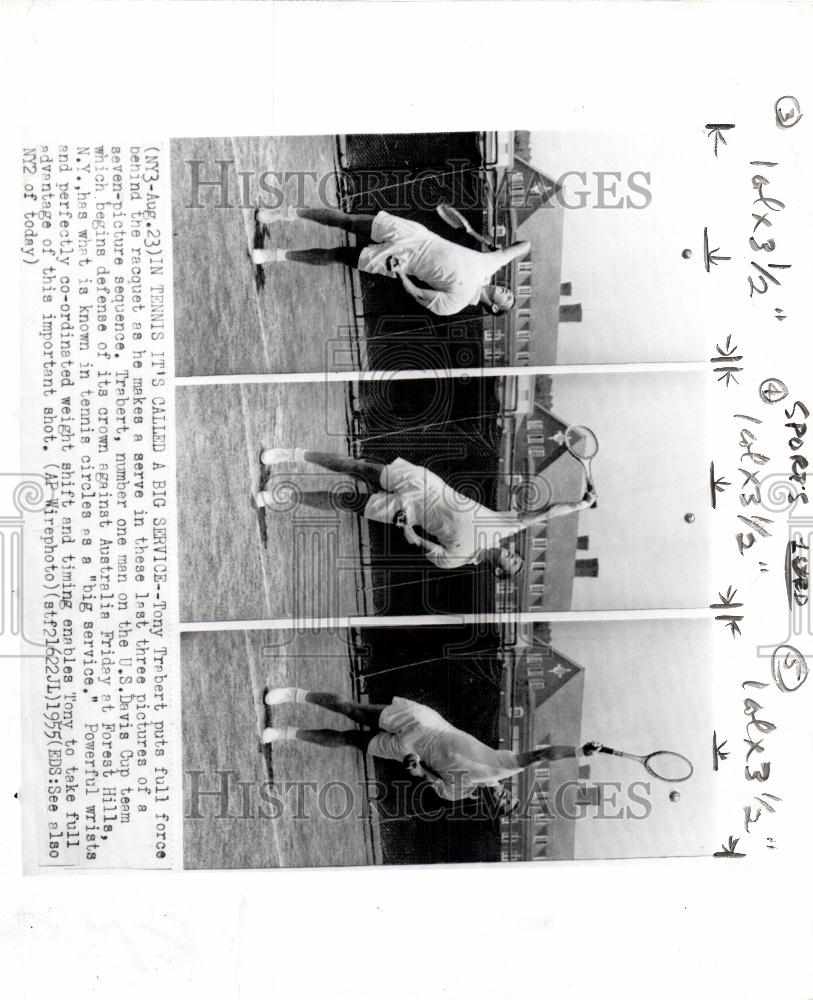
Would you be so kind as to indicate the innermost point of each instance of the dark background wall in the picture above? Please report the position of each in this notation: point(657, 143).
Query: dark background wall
point(449, 426)
point(409, 175)
point(457, 672)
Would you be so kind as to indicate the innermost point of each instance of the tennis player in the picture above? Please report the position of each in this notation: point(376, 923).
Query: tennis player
point(451, 529)
point(450, 277)
point(456, 764)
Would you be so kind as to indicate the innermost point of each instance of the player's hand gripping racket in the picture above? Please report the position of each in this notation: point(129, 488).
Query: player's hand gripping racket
point(453, 218)
point(419, 768)
point(582, 444)
point(666, 765)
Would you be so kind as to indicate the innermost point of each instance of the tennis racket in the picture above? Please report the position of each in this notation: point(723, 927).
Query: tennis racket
point(453, 218)
point(666, 765)
point(582, 444)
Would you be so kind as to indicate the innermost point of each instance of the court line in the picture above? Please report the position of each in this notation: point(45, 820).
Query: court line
point(249, 241)
point(251, 461)
point(401, 621)
point(257, 688)
point(384, 375)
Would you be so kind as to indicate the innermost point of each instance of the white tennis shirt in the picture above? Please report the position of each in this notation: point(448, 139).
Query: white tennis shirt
point(462, 526)
point(457, 273)
point(462, 762)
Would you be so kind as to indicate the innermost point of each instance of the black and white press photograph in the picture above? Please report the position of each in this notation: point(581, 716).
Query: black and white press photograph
point(435, 250)
point(503, 743)
point(523, 493)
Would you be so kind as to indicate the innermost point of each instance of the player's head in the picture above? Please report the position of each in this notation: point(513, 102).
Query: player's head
point(498, 299)
point(506, 563)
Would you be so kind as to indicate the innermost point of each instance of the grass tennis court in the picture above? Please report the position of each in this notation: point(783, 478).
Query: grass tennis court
point(230, 318)
point(236, 562)
point(296, 804)
point(223, 676)
point(233, 318)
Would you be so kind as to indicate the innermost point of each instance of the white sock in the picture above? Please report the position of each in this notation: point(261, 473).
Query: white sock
point(293, 454)
point(283, 212)
point(269, 255)
point(287, 454)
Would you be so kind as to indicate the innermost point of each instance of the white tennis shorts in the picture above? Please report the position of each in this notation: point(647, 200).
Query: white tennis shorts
point(404, 484)
point(409, 727)
point(393, 237)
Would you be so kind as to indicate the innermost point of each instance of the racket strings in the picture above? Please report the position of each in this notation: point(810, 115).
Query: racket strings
point(668, 766)
point(581, 442)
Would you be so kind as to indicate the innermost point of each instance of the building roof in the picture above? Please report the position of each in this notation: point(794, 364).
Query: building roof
point(558, 715)
point(541, 222)
point(560, 719)
point(539, 189)
point(554, 716)
point(566, 480)
point(524, 207)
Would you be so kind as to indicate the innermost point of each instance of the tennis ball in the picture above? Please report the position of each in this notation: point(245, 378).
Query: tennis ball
point(674, 796)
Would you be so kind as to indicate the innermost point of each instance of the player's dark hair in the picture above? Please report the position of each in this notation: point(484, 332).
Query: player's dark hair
point(496, 310)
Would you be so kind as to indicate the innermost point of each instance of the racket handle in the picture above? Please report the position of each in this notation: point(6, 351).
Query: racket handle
point(480, 239)
point(617, 753)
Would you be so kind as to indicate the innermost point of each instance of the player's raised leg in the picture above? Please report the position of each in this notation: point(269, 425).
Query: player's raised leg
point(360, 224)
point(348, 501)
point(364, 715)
point(336, 738)
point(370, 472)
point(317, 256)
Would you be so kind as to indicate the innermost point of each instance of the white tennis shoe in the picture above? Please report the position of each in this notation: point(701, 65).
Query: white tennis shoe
point(274, 456)
point(277, 734)
point(283, 695)
point(270, 255)
point(285, 213)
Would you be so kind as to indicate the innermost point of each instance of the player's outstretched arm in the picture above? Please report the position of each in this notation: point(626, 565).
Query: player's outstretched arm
point(519, 249)
point(499, 258)
point(553, 752)
point(556, 510)
point(560, 752)
point(557, 752)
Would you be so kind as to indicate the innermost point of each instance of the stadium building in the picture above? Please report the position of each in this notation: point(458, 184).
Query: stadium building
point(522, 204)
point(543, 691)
point(535, 470)
point(491, 179)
